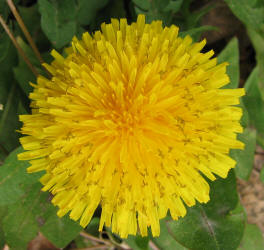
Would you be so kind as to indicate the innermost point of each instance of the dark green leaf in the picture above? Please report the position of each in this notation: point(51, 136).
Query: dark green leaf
point(30, 209)
point(137, 242)
point(29, 52)
point(217, 225)
point(230, 54)
point(93, 226)
point(9, 121)
point(22, 72)
point(21, 109)
point(60, 231)
point(24, 75)
point(20, 225)
point(245, 157)
point(3, 155)
point(58, 20)
point(8, 58)
point(253, 239)
point(31, 19)
point(158, 9)
point(12, 175)
point(9, 97)
point(142, 4)
point(174, 6)
point(86, 10)
point(114, 9)
point(2, 238)
point(165, 240)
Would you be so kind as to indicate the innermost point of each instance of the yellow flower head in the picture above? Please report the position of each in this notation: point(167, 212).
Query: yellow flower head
point(132, 120)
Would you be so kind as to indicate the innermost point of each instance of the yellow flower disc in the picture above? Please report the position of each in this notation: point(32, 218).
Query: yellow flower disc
point(132, 120)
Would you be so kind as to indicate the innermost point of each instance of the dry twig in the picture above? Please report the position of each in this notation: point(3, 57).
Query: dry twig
point(24, 29)
point(20, 51)
point(92, 238)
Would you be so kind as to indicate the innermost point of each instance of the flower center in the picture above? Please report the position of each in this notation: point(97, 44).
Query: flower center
point(126, 121)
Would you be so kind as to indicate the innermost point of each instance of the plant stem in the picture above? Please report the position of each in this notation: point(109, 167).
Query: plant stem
point(20, 51)
point(152, 245)
point(24, 29)
point(92, 238)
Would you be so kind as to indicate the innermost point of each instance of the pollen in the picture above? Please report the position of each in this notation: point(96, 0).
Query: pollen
point(133, 120)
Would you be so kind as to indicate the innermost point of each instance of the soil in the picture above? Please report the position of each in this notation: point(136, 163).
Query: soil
point(252, 193)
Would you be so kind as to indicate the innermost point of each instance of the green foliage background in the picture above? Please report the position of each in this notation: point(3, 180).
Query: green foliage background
point(25, 210)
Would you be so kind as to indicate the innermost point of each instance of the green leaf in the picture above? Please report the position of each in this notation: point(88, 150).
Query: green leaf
point(86, 10)
point(82, 242)
point(192, 19)
point(262, 174)
point(12, 175)
point(58, 21)
point(253, 239)
point(195, 33)
point(3, 212)
point(158, 9)
point(9, 122)
point(20, 225)
point(245, 157)
point(253, 102)
point(24, 75)
point(9, 97)
point(29, 209)
point(22, 72)
point(174, 6)
point(60, 231)
point(250, 12)
point(137, 242)
point(230, 54)
point(8, 58)
point(159, 5)
point(93, 226)
point(92, 229)
point(217, 225)
point(245, 117)
point(142, 4)
point(114, 9)
point(2, 238)
point(252, 15)
point(31, 19)
point(257, 39)
point(166, 240)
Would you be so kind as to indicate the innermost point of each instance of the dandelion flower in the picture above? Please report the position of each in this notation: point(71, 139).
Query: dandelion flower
point(133, 120)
